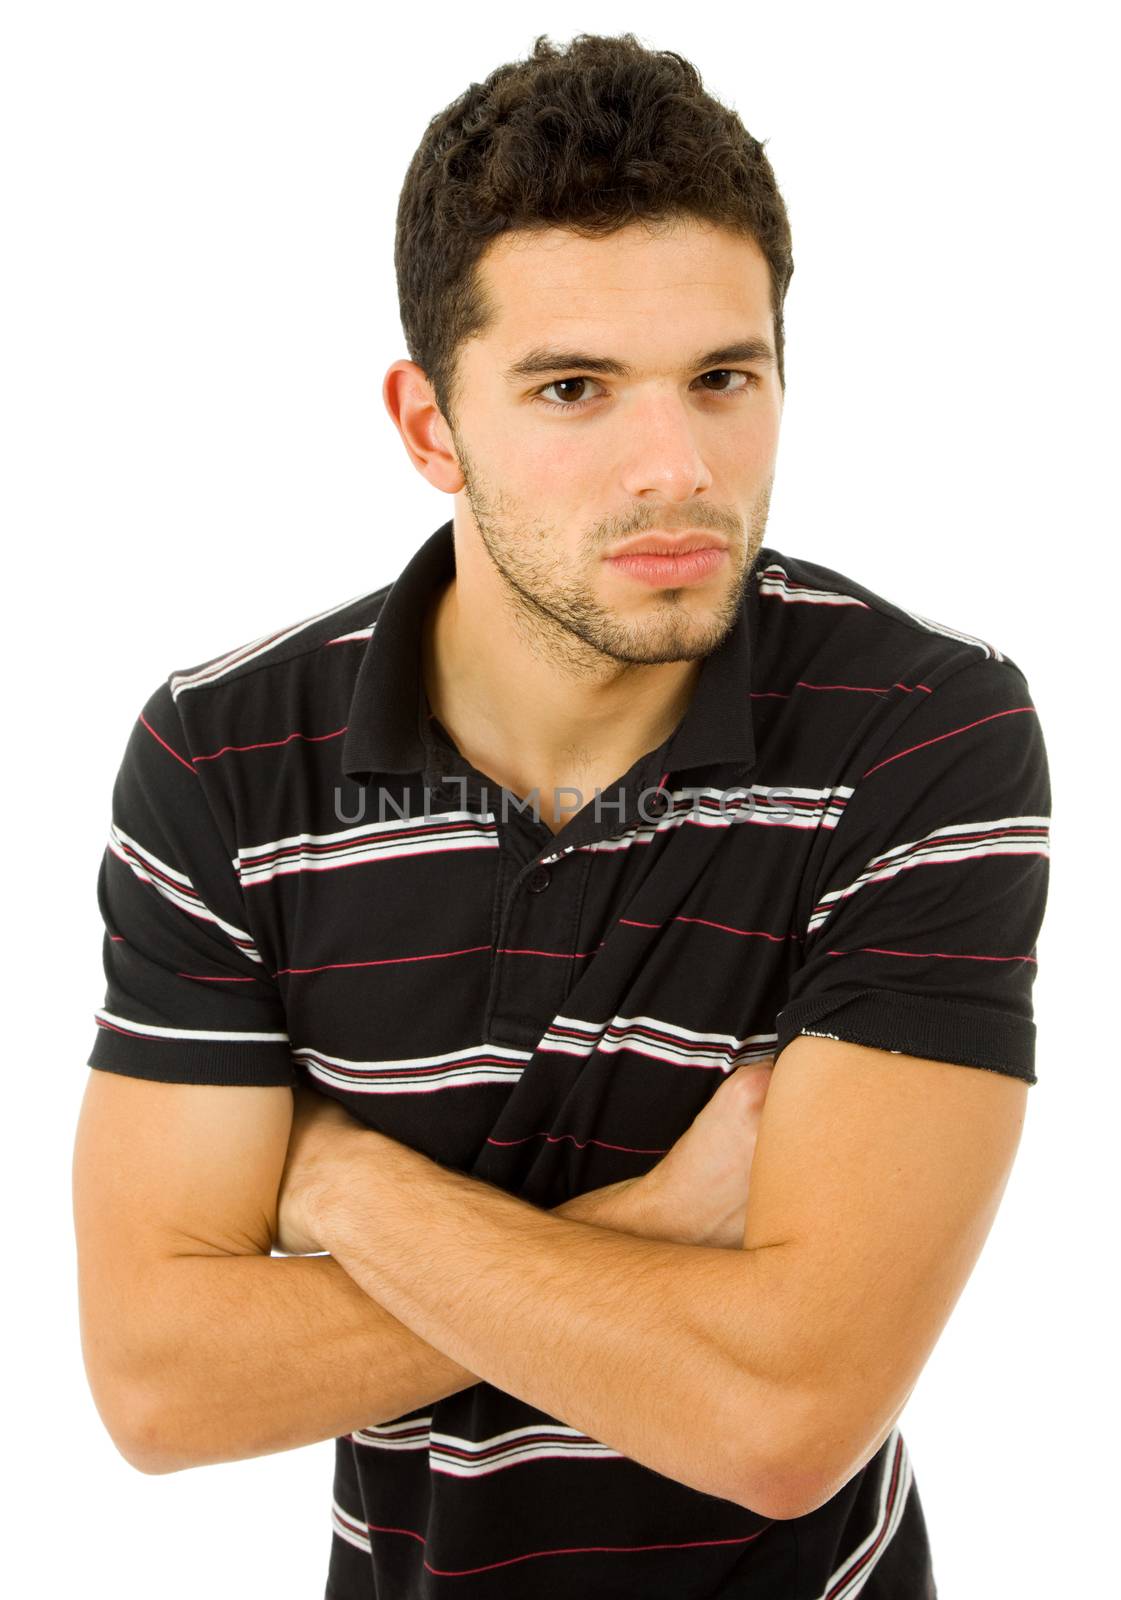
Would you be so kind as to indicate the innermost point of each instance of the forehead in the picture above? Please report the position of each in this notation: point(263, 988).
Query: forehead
point(689, 273)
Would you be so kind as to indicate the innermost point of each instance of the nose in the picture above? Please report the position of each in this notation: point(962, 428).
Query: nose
point(663, 457)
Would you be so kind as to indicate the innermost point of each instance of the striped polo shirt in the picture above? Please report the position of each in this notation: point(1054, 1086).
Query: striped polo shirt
point(845, 835)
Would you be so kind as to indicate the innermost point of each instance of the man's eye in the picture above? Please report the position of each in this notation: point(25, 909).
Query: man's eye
point(749, 378)
point(568, 402)
point(577, 402)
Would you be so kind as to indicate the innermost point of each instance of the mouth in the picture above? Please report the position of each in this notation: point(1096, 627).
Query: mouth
point(668, 544)
point(672, 571)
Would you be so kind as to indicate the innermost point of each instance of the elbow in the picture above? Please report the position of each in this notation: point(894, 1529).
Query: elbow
point(154, 1445)
point(148, 1454)
point(814, 1451)
point(785, 1475)
point(784, 1498)
point(783, 1491)
point(141, 1457)
point(137, 1427)
point(780, 1493)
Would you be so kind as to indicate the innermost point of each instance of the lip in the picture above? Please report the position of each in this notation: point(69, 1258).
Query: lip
point(673, 571)
point(668, 544)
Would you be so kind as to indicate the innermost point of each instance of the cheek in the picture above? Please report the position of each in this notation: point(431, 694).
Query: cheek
point(749, 454)
point(562, 454)
point(526, 462)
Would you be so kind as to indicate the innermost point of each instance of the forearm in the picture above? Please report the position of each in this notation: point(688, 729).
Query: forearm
point(660, 1350)
point(254, 1354)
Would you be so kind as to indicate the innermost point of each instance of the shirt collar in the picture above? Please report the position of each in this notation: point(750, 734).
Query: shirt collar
point(387, 728)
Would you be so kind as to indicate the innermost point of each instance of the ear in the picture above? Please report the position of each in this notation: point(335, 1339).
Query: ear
point(411, 402)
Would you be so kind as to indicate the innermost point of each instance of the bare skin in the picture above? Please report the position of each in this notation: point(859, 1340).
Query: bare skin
point(702, 1183)
point(552, 669)
point(550, 666)
point(696, 1194)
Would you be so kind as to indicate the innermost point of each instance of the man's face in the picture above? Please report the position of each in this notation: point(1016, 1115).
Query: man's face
point(563, 463)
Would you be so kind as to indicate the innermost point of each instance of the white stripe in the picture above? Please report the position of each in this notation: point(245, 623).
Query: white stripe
point(775, 580)
point(119, 835)
point(453, 1466)
point(766, 805)
point(343, 1524)
point(462, 1069)
point(534, 1431)
point(345, 835)
point(758, 803)
point(956, 828)
point(188, 899)
point(145, 1029)
point(952, 633)
point(251, 651)
point(847, 1581)
point(938, 847)
point(475, 1458)
point(369, 841)
point(391, 1435)
point(762, 802)
point(358, 633)
point(722, 1050)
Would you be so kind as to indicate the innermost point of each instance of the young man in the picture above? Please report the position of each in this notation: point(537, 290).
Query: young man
point(521, 872)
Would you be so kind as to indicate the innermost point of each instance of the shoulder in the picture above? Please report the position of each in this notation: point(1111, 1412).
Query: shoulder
point(807, 610)
point(295, 681)
point(844, 680)
point(286, 646)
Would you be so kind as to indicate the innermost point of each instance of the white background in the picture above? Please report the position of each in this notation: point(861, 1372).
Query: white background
point(198, 308)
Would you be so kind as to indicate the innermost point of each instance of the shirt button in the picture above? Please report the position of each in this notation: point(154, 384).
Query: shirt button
point(538, 880)
point(657, 803)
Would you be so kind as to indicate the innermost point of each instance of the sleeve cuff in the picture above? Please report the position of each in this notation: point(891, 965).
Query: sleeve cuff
point(179, 1061)
point(916, 1025)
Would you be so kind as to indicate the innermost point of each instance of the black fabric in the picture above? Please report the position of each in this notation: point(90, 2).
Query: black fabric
point(306, 881)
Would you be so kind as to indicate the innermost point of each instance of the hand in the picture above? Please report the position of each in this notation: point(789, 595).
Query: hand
point(321, 1127)
point(697, 1194)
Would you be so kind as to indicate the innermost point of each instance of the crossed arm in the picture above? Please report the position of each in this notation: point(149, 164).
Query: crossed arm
point(766, 1376)
point(646, 1345)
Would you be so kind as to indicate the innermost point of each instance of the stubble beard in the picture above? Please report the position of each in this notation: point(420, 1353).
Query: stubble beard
point(559, 618)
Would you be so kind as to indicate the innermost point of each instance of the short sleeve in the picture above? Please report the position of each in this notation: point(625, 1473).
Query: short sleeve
point(928, 897)
point(188, 998)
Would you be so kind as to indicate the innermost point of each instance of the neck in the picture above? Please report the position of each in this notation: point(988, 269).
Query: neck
point(529, 719)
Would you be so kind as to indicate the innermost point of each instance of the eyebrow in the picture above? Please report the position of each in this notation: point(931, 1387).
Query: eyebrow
point(543, 360)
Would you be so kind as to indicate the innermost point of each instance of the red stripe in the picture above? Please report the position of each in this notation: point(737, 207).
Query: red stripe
point(848, 1573)
point(111, 1027)
point(495, 1452)
point(746, 933)
point(923, 955)
point(130, 857)
point(203, 977)
point(1015, 710)
point(853, 688)
point(573, 1550)
point(556, 955)
point(582, 1144)
point(165, 744)
point(271, 744)
point(386, 961)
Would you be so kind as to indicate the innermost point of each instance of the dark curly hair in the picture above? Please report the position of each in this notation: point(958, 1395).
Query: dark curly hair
point(592, 138)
